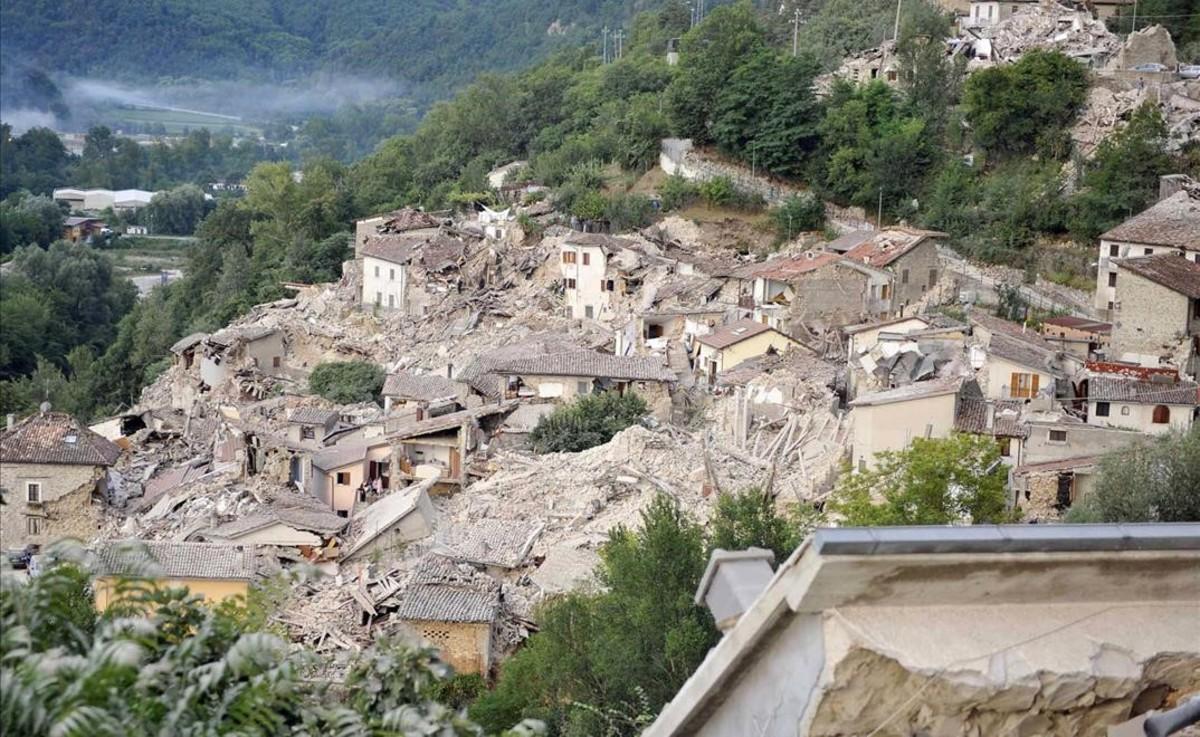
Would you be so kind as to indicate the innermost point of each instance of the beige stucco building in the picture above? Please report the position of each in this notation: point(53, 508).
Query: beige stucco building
point(213, 571)
point(889, 420)
point(587, 283)
point(54, 474)
point(1146, 406)
point(729, 345)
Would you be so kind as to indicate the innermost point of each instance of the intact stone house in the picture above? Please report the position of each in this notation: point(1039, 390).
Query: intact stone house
point(1145, 406)
point(54, 474)
point(1170, 226)
point(1157, 307)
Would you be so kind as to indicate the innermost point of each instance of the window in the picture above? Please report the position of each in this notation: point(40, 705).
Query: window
point(391, 300)
point(308, 433)
point(1111, 305)
point(568, 257)
point(376, 271)
point(932, 277)
point(588, 312)
point(343, 513)
point(1162, 414)
point(1149, 252)
point(1057, 436)
point(1125, 409)
point(885, 291)
point(583, 387)
point(587, 259)
point(276, 361)
point(379, 298)
point(904, 277)
point(34, 525)
point(1196, 257)
point(1112, 278)
point(1023, 386)
point(570, 283)
point(1114, 250)
point(609, 285)
point(1005, 446)
point(1102, 409)
point(391, 275)
point(343, 478)
point(33, 492)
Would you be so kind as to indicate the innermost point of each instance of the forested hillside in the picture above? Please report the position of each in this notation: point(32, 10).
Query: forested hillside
point(433, 44)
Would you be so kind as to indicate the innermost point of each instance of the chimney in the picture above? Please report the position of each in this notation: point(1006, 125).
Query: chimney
point(1169, 184)
point(732, 582)
point(10, 420)
point(450, 371)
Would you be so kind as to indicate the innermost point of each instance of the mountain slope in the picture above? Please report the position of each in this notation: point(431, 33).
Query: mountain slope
point(434, 44)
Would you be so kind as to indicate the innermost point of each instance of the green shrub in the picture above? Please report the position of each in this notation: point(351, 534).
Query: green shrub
point(677, 193)
point(347, 381)
point(628, 211)
point(798, 214)
point(589, 421)
point(718, 192)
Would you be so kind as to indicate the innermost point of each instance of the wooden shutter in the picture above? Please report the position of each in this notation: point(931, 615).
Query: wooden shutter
point(1033, 387)
point(1014, 386)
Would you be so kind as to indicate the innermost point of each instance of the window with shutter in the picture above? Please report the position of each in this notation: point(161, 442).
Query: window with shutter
point(1162, 414)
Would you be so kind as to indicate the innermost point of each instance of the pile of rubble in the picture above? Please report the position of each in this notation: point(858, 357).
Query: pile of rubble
point(1047, 25)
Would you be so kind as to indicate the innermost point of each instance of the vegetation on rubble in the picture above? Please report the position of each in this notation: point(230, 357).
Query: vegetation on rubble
point(590, 420)
point(935, 481)
point(347, 382)
point(159, 661)
point(1153, 480)
point(605, 661)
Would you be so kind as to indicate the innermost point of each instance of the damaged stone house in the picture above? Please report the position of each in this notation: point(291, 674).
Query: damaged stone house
point(301, 522)
point(1081, 337)
point(1157, 310)
point(1172, 225)
point(426, 394)
point(312, 424)
point(495, 546)
point(564, 376)
point(54, 473)
point(440, 448)
point(455, 609)
point(819, 288)
point(405, 220)
point(980, 630)
point(387, 526)
point(910, 255)
point(345, 474)
point(405, 272)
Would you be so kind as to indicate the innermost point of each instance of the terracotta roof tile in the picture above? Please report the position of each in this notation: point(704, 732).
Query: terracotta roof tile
point(56, 438)
point(1175, 221)
point(1112, 389)
point(145, 559)
point(733, 333)
point(1169, 270)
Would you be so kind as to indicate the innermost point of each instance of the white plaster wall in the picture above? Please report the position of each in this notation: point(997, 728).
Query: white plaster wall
point(998, 373)
point(589, 280)
point(278, 534)
point(1141, 417)
point(387, 288)
point(771, 699)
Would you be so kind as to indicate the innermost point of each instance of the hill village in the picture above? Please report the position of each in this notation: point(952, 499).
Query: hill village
point(431, 516)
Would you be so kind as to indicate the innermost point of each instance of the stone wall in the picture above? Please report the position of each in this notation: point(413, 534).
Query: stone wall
point(66, 510)
point(678, 156)
point(834, 296)
point(1150, 319)
point(919, 262)
point(464, 645)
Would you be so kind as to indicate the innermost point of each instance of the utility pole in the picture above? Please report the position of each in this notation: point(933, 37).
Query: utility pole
point(896, 30)
point(605, 32)
point(1134, 29)
point(796, 32)
point(620, 37)
point(879, 216)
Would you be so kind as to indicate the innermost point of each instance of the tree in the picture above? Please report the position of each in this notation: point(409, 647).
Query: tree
point(936, 481)
point(798, 214)
point(177, 211)
point(29, 219)
point(590, 420)
point(708, 56)
point(605, 661)
point(159, 661)
point(1025, 107)
point(1154, 480)
point(749, 519)
point(347, 381)
point(1121, 179)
